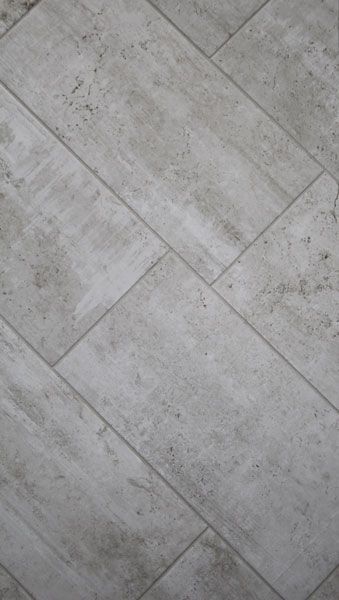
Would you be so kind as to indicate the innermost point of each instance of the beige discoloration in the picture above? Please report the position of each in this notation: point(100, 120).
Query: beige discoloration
point(287, 286)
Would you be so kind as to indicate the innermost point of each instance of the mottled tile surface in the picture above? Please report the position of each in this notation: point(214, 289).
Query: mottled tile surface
point(188, 151)
point(9, 588)
point(11, 11)
point(81, 516)
point(287, 286)
point(68, 248)
point(286, 57)
point(210, 570)
point(329, 590)
point(227, 421)
point(208, 23)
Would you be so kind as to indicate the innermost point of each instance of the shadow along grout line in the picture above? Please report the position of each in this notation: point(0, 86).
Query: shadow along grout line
point(275, 220)
point(29, 10)
point(74, 391)
point(17, 581)
point(309, 597)
point(173, 563)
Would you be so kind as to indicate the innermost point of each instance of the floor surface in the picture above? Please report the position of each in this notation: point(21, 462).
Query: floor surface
point(169, 295)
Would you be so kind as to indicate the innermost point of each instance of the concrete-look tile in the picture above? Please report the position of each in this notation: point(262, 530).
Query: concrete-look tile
point(286, 58)
point(80, 514)
point(9, 588)
point(183, 146)
point(68, 248)
point(11, 11)
point(210, 570)
point(208, 23)
point(287, 286)
point(329, 590)
point(223, 417)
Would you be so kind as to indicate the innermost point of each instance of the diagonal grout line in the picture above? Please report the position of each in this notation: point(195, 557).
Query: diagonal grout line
point(309, 597)
point(173, 563)
point(110, 308)
point(29, 10)
point(266, 229)
point(140, 456)
point(17, 581)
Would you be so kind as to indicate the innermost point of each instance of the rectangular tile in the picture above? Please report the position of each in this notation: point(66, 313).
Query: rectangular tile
point(9, 588)
point(11, 11)
point(226, 420)
point(188, 151)
point(287, 286)
point(208, 23)
point(286, 58)
point(80, 515)
point(209, 569)
point(329, 590)
point(68, 248)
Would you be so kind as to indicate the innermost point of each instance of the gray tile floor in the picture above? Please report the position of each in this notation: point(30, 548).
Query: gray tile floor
point(169, 293)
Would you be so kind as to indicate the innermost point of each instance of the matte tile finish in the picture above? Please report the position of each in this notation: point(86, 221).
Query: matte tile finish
point(328, 590)
point(11, 11)
point(81, 516)
point(9, 589)
point(287, 286)
point(208, 23)
point(188, 151)
point(286, 57)
point(68, 248)
point(224, 419)
point(210, 570)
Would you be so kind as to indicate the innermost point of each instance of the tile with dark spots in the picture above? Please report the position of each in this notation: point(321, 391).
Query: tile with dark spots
point(223, 417)
point(191, 154)
point(286, 58)
point(11, 11)
point(68, 248)
point(210, 570)
point(9, 588)
point(208, 23)
point(329, 590)
point(287, 285)
point(81, 516)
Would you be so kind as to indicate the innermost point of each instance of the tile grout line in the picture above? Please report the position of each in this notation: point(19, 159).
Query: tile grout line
point(109, 309)
point(285, 210)
point(29, 10)
point(17, 581)
point(309, 597)
point(239, 28)
point(173, 563)
point(114, 193)
point(138, 454)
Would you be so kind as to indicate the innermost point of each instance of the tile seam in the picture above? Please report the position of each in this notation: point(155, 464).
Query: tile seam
point(18, 582)
point(309, 597)
point(20, 19)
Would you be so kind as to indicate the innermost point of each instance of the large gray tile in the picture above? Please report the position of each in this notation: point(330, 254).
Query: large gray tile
point(81, 516)
point(329, 590)
point(188, 151)
point(68, 248)
point(9, 588)
point(11, 11)
point(223, 417)
point(286, 57)
point(209, 570)
point(287, 286)
point(208, 23)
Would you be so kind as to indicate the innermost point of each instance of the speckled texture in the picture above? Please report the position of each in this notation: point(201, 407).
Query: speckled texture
point(188, 151)
point(208, 23)
point(81, 516)
point(68, 248)
point(223, 418)
point(287, 285)
point(9, 588)
point(209, 570)
point(11, 11)
point(329, 590)
point(286, 58)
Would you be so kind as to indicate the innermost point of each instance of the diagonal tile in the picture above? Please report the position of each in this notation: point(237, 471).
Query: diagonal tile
point(208, 23)
point(9, 588)
point(226, 420)
point(188, 151)
point(286, 57)
point(329, 590)
point(210, 570)
point(80, 515)
point(68, 248)
point(287, 286)
point(11, 11)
